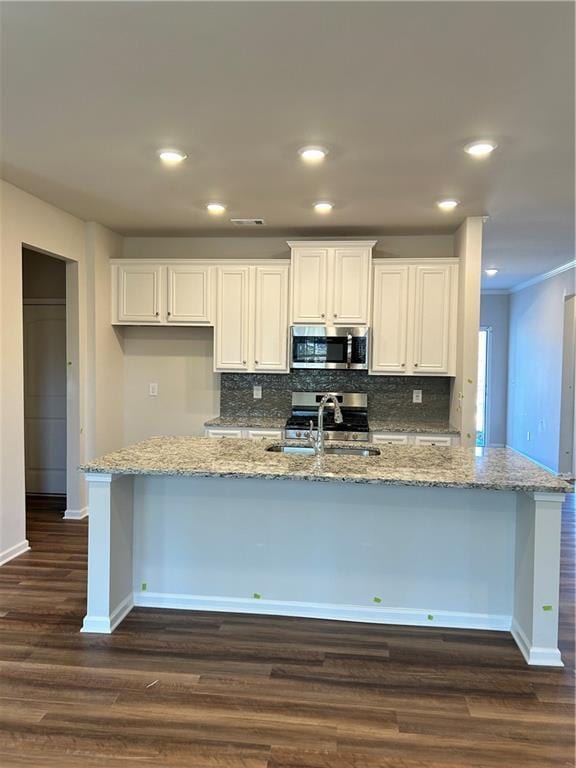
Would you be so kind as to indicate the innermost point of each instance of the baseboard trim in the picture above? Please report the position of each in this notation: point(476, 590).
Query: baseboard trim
point(330, 611)
point(15, 551)
point(534, 655)
point(104, 625)
point(76, 514)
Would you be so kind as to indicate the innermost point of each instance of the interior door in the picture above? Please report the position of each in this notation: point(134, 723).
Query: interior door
point(271, 320)
point(189, 295)
point(232, 327)
point(351, 283)
point(390, 319)
point(45, 398)
point(432, 299)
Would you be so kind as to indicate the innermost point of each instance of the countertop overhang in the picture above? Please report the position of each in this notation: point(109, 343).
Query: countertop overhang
point(499, 469)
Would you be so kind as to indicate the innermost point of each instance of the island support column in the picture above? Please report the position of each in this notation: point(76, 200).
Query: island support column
point(110, 537)
point(537, 577)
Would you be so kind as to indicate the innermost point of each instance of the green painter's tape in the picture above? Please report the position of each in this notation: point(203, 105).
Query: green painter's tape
point(257, 596)
point(547, 608)
point(144, 586)
point(376, 599)
point(430, 617)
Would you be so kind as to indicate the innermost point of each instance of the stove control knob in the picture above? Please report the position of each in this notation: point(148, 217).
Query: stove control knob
point(306, 434)
point(298, 434)
point(354, 436)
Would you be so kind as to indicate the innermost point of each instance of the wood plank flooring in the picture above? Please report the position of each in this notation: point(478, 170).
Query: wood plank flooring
point(206, 690)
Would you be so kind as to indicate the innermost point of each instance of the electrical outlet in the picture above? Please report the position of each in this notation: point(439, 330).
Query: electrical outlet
point(416, 395)
point(153, 389)
point(257, 392)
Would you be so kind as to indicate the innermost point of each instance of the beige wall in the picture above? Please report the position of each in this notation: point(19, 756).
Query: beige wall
point(180, 361)
point(28, 221)
point(410, 246)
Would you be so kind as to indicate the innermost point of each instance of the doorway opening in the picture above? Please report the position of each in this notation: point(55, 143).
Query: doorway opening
point(566, 457)
point(45, 379)
point(482, 395)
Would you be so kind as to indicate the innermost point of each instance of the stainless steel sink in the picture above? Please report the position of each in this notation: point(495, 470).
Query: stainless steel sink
point(329, 450)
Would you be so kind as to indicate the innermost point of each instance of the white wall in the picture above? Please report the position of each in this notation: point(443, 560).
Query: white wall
point(180, 361)
point(494, 314)
point(535, 367)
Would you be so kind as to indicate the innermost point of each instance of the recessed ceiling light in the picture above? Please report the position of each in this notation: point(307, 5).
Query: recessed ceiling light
point(448, 205)
point(491, 272)
point(323, 206)
point(313, 154)
point(215, 208)
point(481, 148)
point(171, 156)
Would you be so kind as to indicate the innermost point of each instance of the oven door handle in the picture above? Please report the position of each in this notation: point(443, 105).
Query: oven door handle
point(349, 351)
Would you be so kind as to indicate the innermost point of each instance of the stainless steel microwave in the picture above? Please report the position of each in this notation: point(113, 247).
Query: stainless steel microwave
point(320, 346)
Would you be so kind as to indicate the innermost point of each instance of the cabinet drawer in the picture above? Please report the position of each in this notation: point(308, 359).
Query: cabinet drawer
point(223, 433)
point(431, 440)
point(383, 438)
point(264, 434)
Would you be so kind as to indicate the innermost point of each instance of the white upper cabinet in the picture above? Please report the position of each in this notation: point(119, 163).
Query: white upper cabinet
point(390, 319)
point(189, 294)
point(252, 318)
point(271, 319)
point(138, 293)
point(157, 293)
point(331, 282)
point(309, 285)
point(351, 286)
point(432, 318)
point(232, 319)
point(414, 317)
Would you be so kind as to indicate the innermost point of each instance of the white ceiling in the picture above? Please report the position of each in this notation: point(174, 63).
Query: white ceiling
point(90, 91)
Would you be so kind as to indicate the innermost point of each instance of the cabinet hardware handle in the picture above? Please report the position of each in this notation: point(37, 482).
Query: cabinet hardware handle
point(335, 315)
point(256, 361)
point(322, 315)
point(157, 313)
point(403, 365)
point(415, 365)
point(169, 313)
point(243, 362)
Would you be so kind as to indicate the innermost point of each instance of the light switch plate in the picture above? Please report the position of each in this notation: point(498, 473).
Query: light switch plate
point(153, 389)
point(416, 395)
point(257, 392)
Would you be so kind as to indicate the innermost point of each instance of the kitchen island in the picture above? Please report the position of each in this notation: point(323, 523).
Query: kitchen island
point(433, 536)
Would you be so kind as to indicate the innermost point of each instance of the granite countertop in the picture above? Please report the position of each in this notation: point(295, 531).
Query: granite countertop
point(417, 427)
point(247, 422)
point(496, 469)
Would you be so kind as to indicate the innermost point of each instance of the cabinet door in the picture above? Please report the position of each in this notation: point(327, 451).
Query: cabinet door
point(216, 432)
point(431, 440)
point(432, 318)
point(271, 319)
point(189, 295)
point(139, 294)
point(350, 286)
point(390, 319)
point(309, 285)
point(264, 434)
point(232, 325)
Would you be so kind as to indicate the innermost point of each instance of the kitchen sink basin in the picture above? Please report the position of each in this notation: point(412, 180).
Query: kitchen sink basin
point(329, 450)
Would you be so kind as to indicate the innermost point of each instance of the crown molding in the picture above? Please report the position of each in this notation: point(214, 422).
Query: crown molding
point(545, 276)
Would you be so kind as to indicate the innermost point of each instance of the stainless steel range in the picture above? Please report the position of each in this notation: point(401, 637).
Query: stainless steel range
point(354, 425)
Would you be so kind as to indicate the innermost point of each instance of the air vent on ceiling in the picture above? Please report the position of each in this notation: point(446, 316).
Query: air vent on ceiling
point(248, 222)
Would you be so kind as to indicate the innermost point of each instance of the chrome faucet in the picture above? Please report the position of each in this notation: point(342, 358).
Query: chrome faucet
point(319, 441)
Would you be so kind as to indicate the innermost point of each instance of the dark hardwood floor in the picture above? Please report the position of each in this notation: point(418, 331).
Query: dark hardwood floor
point(206, 690)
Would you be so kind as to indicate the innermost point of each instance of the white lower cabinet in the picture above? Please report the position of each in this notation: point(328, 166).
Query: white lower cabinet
point(249, 434)
point(389, 438)
point(252, 319)
point(432, 440)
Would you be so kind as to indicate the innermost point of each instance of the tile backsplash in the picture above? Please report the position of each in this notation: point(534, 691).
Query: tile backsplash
point(389, 397)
